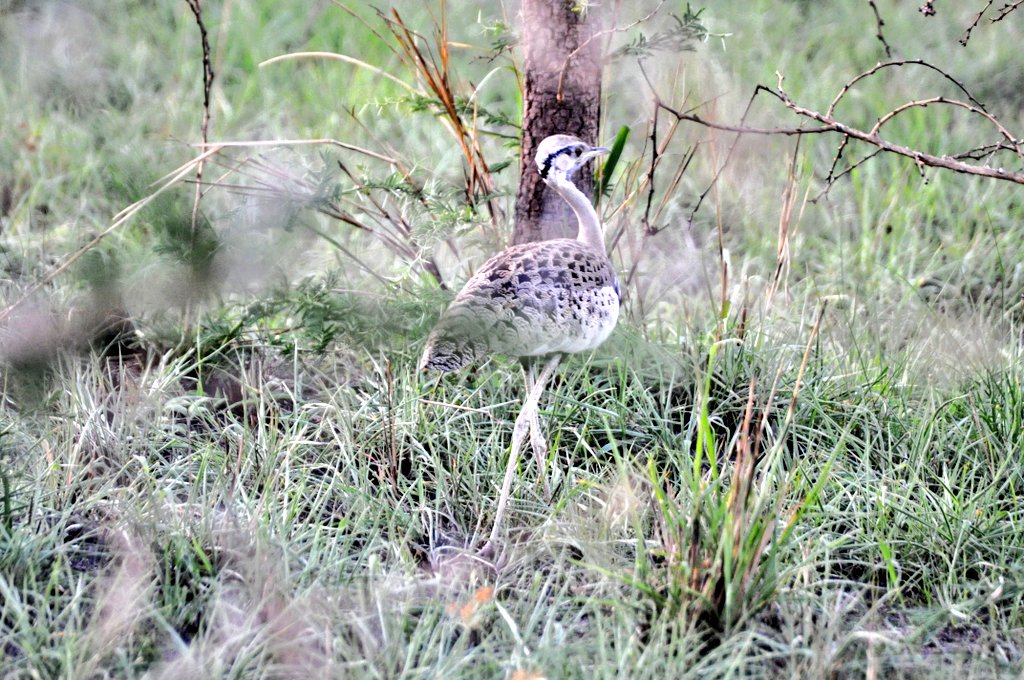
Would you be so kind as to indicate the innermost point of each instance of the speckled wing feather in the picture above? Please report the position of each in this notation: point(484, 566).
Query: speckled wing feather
point(537, 298)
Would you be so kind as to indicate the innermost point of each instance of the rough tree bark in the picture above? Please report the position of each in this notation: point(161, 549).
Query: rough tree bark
point(558, 97)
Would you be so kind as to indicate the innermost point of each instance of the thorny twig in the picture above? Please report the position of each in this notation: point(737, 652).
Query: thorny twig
point(728, 156)
point(1006, 9)
point(898, 64)
point(660, 104)
point(983, 151)
point(879, 23)
point(830, 125)
point(656, 152)
point(974, 24)
point(923, 103)
point(827, 123)
point(832, 177)
point(646, 222)
point(1003, 12)
point(659, 144)
point(197, 11)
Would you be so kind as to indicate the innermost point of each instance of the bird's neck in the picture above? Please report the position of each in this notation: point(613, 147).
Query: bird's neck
point(590, 225)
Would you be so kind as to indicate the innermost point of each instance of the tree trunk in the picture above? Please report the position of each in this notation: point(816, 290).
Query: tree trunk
point(559, 97)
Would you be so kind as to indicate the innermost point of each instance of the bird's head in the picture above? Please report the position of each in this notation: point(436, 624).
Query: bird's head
point(563, 155)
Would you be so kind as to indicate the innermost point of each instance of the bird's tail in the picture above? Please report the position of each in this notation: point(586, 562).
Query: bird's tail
point(451, 346)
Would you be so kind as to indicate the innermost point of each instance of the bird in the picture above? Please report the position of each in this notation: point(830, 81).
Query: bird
point(537, 302)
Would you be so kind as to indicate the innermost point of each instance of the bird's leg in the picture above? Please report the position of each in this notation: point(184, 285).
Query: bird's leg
point(540, 451)
point(537, 440)
point(529, 374)
point(518, 434)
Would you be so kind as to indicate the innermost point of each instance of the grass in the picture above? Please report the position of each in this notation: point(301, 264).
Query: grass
point(820, 478)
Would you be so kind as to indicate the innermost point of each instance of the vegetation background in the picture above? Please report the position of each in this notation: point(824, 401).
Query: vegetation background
point(799, 456)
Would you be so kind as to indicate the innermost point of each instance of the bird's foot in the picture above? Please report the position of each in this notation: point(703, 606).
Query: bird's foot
point(489, 551)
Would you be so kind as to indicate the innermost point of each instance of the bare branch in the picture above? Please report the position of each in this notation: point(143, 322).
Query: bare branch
point(974, 24)
point(197, 12)
point(898, 63)
point(983, 151)
point(833, 178)
point(829, 124)
point(1006, 9)
point(952, 102)
point(879, 23)
point(728, 156)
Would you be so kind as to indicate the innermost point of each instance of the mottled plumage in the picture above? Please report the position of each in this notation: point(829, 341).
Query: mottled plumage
point(536, 299)
point(530, 300)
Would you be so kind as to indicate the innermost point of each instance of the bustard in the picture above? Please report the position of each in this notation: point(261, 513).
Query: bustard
point(536, 301)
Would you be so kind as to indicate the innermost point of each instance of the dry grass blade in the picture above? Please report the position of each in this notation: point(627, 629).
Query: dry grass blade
point(789, 198)
point(806, 358)
point(307, 142)
point(339, 57)
point(435, 73)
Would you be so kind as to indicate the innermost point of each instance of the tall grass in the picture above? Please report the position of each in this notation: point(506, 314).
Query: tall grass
point(799, 455)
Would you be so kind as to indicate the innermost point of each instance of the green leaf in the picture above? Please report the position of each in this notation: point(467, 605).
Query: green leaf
point(604, 182)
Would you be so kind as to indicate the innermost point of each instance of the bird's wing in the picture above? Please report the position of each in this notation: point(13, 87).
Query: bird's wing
point(530, 299)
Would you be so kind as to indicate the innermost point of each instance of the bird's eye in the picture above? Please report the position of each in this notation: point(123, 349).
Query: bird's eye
point(577, 151)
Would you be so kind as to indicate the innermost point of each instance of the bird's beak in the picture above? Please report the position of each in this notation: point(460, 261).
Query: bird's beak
point(582, 160)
